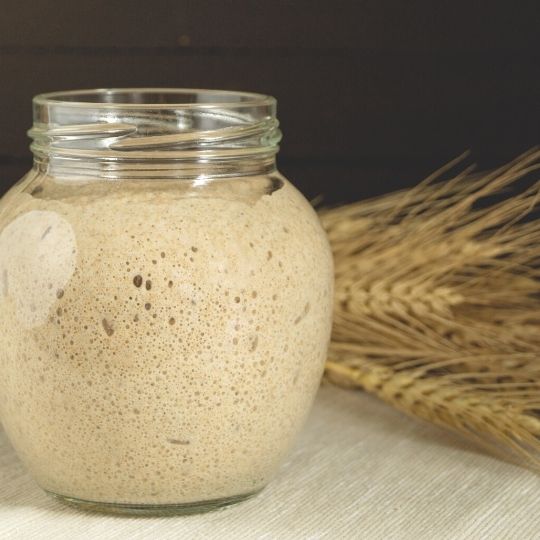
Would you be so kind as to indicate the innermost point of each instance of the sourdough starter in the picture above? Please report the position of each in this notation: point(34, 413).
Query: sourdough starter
point(160, 344)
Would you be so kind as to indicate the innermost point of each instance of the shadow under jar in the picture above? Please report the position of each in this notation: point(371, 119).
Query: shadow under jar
point(165, 300)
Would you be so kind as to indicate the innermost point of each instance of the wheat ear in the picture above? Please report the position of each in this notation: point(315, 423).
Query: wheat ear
point(437, 306)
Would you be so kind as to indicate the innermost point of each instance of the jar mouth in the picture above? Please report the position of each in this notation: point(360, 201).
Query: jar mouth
point(137, 125)
point(155, 98)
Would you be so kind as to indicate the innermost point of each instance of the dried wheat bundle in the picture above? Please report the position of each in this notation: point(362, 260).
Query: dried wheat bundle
point(438, 303)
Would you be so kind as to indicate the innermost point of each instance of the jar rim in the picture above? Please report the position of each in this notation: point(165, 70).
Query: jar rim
point(154, 98)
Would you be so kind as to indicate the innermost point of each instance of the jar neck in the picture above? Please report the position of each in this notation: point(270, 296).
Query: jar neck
point(91, 168)
point(154, 133)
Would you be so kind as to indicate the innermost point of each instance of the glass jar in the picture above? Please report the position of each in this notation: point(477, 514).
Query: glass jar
point(165, 301)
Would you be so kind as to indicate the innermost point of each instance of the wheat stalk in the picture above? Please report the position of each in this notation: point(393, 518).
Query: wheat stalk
point(437, 305)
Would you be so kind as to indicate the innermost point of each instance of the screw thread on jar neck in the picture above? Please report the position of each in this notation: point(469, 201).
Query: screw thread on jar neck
point(154, 133)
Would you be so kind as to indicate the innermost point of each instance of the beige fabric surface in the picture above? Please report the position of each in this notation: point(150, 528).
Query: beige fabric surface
point(359, 470)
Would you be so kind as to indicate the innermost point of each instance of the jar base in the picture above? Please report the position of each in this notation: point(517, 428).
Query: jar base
point(149, 510)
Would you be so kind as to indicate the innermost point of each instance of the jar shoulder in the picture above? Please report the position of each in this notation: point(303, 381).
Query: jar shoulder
point(260, 210)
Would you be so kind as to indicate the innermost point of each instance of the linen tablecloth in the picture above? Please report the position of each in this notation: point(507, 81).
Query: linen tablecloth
point(359, 470)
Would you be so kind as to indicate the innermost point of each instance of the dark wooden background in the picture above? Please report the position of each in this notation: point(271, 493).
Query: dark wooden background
point(372, 94)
